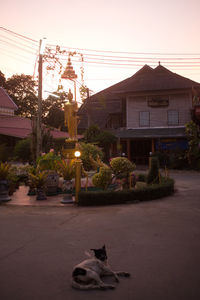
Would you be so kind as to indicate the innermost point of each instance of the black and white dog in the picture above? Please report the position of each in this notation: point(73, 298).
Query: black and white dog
point(87, 275)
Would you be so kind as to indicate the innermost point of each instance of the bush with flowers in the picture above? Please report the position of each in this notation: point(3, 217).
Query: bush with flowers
point(48, 161)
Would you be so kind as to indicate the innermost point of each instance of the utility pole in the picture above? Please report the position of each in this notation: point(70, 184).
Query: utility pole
point(88, 108)
point(39, 113)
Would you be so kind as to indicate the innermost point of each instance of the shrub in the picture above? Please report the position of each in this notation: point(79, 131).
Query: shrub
point(103, 178)
point(87, 151)
point(48, 161)
point(121, 166)
point(141, 177)
point(153, 175)
point(155, 191)
point(22, 150)
point(4, 152)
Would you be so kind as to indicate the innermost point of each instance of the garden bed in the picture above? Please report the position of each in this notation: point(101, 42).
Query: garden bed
point(146, 193)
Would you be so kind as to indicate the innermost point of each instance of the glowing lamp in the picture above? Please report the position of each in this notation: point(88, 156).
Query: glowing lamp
point(77, 154)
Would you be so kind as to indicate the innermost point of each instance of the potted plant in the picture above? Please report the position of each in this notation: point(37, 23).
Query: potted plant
point(48, 162)
point(32, 189)
point(4, 186)
point(66, 169)
point(38, 180)
point(13, 180)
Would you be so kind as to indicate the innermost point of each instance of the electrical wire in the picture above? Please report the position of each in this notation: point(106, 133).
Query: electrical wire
point(124, 52)
point(102, 58)
point(17, 34)
point(15, 56)
point(113, 52)
point(130, 58)
point(18, 43)
point(13, 45)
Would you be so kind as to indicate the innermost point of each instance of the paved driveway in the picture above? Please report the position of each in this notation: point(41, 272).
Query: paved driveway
point(158, 242)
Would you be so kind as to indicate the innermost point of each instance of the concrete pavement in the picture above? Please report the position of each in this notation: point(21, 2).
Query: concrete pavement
point(158, 242)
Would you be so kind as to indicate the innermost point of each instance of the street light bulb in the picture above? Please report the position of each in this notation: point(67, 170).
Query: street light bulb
point(77, 154)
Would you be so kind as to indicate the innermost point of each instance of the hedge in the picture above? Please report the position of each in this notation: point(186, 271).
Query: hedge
point(150, 192)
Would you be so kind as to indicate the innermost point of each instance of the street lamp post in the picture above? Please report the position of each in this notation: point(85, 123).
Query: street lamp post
point(78, 163)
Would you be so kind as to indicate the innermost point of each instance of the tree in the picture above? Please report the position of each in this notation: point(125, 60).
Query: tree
point(103, 138)
point(91, 134)
point(52, 110)
point(84, 92)
point(193, 136)
point(55, 118)
point(22, 89)
point(2, 80)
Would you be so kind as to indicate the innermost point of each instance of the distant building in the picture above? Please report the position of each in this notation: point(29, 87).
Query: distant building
point(13, 128)
point(147, 112)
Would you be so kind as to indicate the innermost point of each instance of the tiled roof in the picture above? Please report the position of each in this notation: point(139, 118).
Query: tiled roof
point(21, 127)
point(6, 101)
point(160, 78)
point(170, 132)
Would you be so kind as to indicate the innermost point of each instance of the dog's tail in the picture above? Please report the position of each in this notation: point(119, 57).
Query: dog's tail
point(85, 287)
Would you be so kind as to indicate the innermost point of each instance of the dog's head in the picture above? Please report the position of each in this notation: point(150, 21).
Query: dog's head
point(101, 254)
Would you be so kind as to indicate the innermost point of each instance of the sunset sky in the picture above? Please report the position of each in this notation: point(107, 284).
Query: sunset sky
point(125, 34)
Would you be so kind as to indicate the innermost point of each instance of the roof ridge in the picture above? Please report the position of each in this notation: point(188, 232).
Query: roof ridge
point(12, 105)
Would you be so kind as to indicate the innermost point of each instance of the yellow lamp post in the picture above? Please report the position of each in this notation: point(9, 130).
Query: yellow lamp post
point(78, 163)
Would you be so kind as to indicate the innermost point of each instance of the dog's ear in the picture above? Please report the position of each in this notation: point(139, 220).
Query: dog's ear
point(94, 250)
point(104, 247)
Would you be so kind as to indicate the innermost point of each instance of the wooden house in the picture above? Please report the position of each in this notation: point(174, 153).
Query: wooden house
point(147, 112)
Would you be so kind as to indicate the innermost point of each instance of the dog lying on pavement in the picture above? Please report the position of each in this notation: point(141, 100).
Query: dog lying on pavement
point(87, 275)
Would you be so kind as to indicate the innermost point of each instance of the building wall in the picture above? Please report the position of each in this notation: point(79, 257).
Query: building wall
point(158, 115)
point(6, 111)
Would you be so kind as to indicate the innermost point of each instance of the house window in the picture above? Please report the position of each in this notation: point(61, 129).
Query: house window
point(173, 117)
point(144, 118)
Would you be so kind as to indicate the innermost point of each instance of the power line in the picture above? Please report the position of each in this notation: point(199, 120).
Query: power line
point(108, 57)
point(12, 55)
point(22, 49)
point(19, 43)
point(120, 60)
point(128, 58)
point(17, 34)
point(183, 64)
point(124, 52)
point(103, 58)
